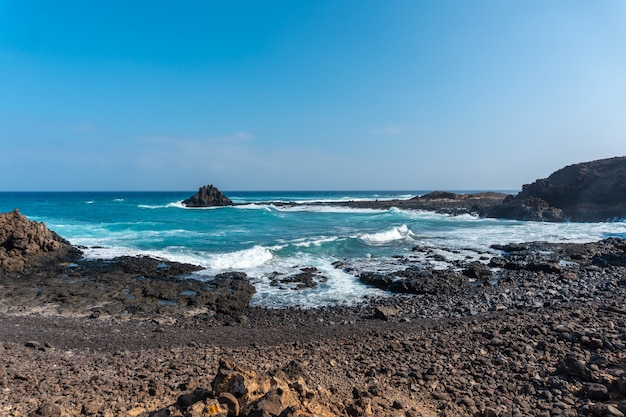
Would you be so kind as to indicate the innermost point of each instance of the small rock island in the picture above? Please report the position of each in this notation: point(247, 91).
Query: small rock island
point(208, 196)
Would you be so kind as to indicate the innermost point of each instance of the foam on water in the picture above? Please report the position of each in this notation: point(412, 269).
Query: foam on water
point(240, 260)
point(327, 209)
point(334, 285)
point(178, 204)
point(386, 236)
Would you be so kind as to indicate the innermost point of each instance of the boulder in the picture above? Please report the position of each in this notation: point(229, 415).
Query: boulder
point(208, 196)
point(587, 192)
point(281, 392)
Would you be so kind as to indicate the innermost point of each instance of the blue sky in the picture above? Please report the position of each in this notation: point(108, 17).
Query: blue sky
point(307, 95)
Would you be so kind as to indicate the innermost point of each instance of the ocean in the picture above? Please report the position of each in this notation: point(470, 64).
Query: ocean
point(267, 241)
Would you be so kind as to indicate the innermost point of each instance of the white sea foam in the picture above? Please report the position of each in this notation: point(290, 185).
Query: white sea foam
point(174, 204)
point(307, 243)
point(257, 206)
point(386, 236)
point(328, 209)
point(334, 285)
point(240, 260)
point(307, 207)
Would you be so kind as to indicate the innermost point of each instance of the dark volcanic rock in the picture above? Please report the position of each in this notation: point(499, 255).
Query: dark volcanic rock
point(417, 281)
point(440, 201)
point(306, 278)
point(208, 196)
point(589, 191)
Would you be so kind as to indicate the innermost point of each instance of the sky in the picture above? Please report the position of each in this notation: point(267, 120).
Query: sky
point(307, 95)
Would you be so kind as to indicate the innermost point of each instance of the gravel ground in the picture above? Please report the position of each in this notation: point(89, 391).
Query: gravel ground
point(543, 338)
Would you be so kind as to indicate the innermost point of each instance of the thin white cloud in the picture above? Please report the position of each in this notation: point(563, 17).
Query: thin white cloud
point(233, 138)
point(388, 130)
point(236, 137)
point(83, 127)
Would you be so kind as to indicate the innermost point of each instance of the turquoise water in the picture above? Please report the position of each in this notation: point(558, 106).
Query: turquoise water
point(264, 240)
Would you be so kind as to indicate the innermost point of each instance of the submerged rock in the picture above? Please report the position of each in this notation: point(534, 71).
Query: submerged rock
point(208, 196)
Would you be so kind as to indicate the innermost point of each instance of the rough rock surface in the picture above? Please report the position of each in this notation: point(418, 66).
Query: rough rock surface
point(590, 191)
point(24, 242)
point(125, 287)
point(208, 196)
point(417, 280)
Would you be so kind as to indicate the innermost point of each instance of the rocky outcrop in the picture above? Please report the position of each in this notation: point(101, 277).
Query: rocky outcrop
point(128, 287)
point(24, 242)
point(417, 280)
point(439, 201)
point(208, 196)
point(587, 192)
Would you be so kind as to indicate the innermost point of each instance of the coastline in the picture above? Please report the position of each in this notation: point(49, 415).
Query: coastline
point(536, 342)
point(531, 328)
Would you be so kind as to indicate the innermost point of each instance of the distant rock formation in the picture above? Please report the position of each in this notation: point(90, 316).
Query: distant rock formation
point(586, 192)
point(23, 241)
point(208, 196)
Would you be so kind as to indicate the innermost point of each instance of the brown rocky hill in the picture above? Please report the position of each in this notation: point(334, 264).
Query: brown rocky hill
point(587, 192)
point(23, 242)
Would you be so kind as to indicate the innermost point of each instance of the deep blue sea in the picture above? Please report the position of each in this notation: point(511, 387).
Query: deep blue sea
point(262, 239)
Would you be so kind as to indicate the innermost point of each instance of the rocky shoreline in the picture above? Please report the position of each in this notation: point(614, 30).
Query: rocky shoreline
point(533, 329)
point(564, 358)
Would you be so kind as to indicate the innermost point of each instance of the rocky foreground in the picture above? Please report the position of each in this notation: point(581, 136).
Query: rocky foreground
point(537, 329)
point(564, 356)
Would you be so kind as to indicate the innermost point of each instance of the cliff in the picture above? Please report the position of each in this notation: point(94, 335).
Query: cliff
point(586, 192)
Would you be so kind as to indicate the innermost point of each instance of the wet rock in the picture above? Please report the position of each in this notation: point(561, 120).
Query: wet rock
point(416, 280)
point(308, 277)
point(479, 271)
